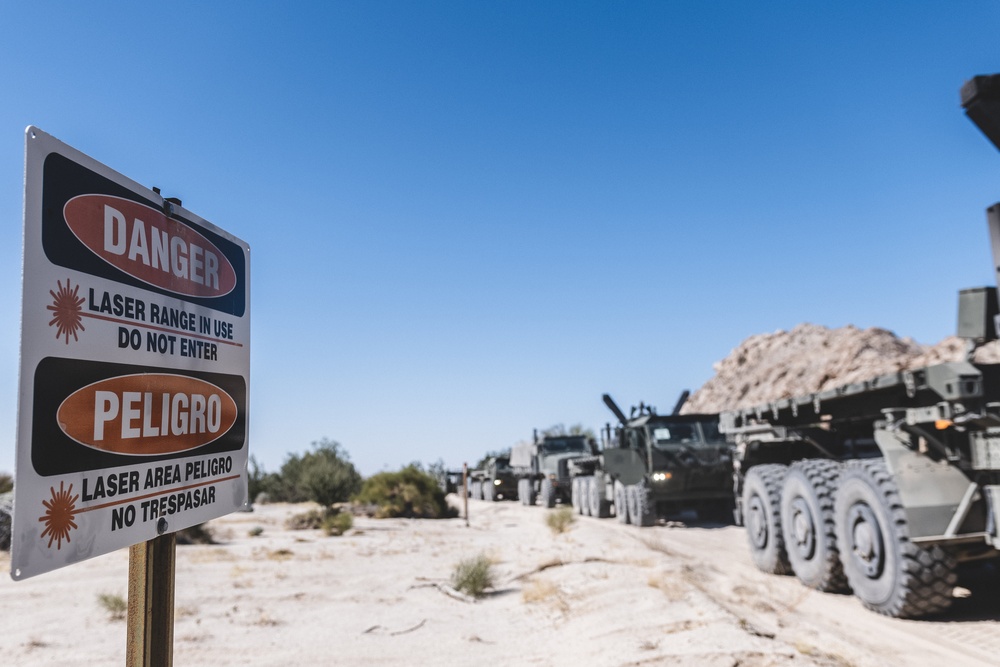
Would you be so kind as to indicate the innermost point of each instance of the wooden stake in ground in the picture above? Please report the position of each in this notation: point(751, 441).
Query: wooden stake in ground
point(465, 491)
point(151, 602)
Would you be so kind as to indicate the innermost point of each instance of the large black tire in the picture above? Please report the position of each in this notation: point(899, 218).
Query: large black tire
point(889, 574)
point(762, 517)
point(807, 524)
point(532, 493)
point(600, 507)
point(640, 506)
point(524, 491)
point(489, 491)
point(621, 503)
point(585, 483)
point(548, 494)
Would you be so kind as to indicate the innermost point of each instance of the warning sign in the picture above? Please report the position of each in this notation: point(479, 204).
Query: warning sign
point(135, 356)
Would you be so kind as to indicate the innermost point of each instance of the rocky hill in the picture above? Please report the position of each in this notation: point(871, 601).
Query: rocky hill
point(812, 358)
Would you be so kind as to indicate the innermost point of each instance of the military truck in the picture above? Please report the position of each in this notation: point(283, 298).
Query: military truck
point(448, 481)
point(542, 467)
point(494, 480)
point(653, 466)
point(884, 486)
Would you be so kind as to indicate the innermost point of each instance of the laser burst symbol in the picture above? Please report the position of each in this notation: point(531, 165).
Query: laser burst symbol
point(59, 514)
point(67, 306)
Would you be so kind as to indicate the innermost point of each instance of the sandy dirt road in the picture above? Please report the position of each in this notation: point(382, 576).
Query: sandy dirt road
point(599, 594)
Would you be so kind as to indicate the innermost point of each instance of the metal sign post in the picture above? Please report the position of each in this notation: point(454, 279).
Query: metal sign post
point(134, 380)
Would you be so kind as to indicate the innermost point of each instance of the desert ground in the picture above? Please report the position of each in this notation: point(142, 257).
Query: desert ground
point(600, 593)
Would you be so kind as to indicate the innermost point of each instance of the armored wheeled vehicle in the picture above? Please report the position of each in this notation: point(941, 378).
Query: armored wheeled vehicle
point(653, 466)
point(494, 480)
point(542, 467)
point(883, 487)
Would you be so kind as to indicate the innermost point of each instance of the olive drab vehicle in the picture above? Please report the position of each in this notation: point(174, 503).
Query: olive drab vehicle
point(883, 487)
point(542, 467)
point(656, 465)
point(493, 481)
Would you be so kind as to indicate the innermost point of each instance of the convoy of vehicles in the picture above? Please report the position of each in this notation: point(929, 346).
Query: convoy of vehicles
point(542, 467)
point(882, 487)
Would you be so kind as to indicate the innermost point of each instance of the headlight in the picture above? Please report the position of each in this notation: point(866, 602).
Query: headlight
point(497, 482)
point(661, 476)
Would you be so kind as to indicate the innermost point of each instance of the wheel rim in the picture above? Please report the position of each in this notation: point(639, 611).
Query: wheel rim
point(866, 540)
point(803, 529)
point(757, 522)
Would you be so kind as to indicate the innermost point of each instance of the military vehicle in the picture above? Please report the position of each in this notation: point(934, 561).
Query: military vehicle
point(883, 486)
point(494, 480)
point(542, 467)
point(656, 465)
point(448, 481)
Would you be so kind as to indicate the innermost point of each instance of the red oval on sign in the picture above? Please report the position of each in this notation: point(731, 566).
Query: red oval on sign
point(149, 246)
point(147, 414)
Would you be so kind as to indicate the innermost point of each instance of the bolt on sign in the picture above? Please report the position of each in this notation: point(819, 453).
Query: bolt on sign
point(135, 358)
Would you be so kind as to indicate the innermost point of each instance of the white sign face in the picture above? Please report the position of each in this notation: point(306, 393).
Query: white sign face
point(135, 358)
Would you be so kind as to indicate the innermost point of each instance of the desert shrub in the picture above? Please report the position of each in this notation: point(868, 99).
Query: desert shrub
point(337, 524)
point(309, 520)
point(411, 492)
point(198, 534)
point(6, 483)
point(115, 605)
point(560, 520)
point(261, 484)
point(331, 521)
point(473, 575)
point(256, 531)
point(324, 475)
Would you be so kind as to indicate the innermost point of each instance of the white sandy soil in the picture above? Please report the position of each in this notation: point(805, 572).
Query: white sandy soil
point(599, 594)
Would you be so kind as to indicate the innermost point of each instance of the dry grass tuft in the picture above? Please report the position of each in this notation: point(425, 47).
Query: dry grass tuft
point(115, 605)
point(560, 520)
point(473, 576)
point(541, 590)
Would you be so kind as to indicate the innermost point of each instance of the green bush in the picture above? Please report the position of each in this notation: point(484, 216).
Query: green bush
point(560, 520)
point(411, 493)
point(6, 483)
point(324, 475)
point(337, 524)
point(331, 521)
point(473, 575)
point(305, 520)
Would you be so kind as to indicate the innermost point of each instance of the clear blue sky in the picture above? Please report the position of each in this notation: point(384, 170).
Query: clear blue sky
point(468, 220)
